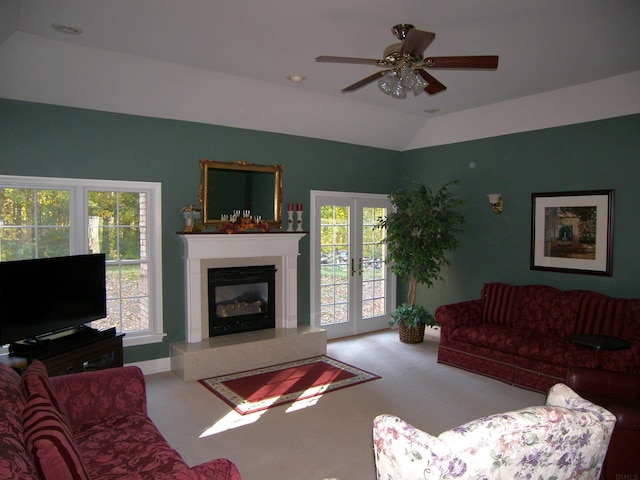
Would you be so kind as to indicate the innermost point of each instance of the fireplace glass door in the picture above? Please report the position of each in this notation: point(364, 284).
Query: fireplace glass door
point(353, 291)
point(241, 299)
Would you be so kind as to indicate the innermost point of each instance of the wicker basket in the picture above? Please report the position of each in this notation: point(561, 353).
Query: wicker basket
point(411, 334)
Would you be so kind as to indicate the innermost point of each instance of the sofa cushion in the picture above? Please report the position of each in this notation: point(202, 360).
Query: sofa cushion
point(129, 445)
point(35, 381)
point(547, 311)
point(15, 461)
point(602, 315)
point(499, 303)
point(494, 337)
point(50, 442)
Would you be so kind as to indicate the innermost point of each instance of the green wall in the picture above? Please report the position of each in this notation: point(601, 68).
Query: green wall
point(46, 140)
point(587, 156)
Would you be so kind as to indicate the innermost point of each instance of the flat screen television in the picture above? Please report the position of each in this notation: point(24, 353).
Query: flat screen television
point(50, 294)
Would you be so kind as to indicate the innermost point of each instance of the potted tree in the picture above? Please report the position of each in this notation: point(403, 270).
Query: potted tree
point(420, 230)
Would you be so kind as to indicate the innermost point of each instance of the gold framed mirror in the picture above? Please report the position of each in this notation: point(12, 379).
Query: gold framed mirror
point(229, 186)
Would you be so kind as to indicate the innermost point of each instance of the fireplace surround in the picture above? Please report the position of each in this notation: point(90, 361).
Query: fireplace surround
point(203, 355)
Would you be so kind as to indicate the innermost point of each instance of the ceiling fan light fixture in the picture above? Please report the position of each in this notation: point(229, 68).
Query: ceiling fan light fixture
point(397, 83)
point(419, 86)
point(406, 64)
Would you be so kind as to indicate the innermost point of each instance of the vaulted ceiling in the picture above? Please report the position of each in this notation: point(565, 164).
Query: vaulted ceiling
point(543, 45)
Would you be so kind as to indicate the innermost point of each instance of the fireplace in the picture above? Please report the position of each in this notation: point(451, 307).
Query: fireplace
point(203, 355)
point(241, 299)
point(205, 251)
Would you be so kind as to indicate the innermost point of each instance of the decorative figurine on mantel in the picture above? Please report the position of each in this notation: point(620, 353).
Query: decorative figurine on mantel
point(191, 218)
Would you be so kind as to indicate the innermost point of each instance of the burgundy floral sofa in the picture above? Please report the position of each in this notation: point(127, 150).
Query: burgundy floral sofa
point(91, 425)
point(520, 334)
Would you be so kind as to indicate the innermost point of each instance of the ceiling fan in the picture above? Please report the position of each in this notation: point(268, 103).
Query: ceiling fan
point(405, 64)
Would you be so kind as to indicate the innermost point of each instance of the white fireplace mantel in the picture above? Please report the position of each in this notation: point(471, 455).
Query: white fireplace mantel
point(202, 250)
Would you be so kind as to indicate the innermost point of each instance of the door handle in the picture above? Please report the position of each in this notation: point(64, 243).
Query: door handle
point(353, 270)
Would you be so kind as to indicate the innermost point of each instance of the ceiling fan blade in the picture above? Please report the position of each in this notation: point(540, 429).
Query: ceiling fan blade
point(434, 85)
point(477, 61)
point(417, 42)
point(363, 61)
point(364, 81)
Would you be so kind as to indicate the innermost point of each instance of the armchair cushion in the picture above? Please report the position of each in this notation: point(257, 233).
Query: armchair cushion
point(567, 438)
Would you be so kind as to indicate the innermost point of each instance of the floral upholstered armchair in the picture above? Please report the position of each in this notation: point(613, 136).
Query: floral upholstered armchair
point(566, 438)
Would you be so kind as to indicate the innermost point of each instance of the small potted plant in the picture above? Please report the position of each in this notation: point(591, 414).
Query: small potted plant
point(420, 230)
point(411, 321)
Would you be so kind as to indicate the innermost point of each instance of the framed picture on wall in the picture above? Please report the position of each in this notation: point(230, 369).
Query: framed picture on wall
point(572, 232)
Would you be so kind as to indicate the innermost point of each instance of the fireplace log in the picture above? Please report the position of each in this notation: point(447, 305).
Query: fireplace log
point(238, 308)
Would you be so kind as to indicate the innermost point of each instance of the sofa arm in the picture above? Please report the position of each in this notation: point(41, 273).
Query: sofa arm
point(93, 396)
point(218, 469)
point(602, 383)
point(403, 451)
point(456, 315)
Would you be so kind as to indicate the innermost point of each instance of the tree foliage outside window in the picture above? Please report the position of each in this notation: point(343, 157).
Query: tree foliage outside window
point(34, 223)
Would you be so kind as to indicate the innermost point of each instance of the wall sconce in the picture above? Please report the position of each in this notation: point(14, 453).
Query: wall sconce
point(496, 202)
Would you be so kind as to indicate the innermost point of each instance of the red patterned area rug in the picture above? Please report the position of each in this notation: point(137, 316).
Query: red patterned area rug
point(262, 388)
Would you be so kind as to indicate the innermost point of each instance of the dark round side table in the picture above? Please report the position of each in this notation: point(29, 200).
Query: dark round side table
point(598, 343)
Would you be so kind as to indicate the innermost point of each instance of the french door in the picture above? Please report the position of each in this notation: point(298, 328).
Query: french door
point(352, 291)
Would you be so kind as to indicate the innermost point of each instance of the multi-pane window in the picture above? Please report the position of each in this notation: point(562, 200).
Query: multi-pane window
point(334, 269)
point(374, 295)
point(46, 217)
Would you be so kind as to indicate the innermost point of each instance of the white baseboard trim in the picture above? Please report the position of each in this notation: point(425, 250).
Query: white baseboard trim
point(158, 365)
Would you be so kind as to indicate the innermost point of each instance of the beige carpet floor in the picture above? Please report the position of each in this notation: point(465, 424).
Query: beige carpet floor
point(329, 437)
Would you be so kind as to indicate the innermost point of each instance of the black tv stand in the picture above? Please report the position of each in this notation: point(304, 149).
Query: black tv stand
point(55, 342)
point(52, 336)
point(81, 351)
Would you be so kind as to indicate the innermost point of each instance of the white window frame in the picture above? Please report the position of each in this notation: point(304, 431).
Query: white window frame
point(79, 242)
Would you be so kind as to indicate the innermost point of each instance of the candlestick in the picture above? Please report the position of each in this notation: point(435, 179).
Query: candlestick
point(290, 221)
point(299, 220)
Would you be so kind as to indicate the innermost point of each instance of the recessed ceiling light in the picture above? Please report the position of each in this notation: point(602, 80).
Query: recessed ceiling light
point(296, 78)
point(432, 110)
point(66, 29)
